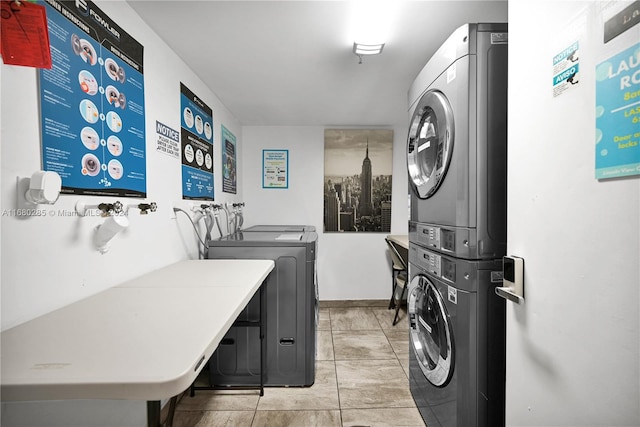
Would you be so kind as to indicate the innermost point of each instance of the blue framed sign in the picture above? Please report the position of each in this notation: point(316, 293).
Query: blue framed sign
point(196, 133)
point(618, 115)
point(275, 168)
point(92, 103)
point(229, 165)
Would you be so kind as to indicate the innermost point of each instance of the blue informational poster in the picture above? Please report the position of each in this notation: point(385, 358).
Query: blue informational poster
point(92, 103)
point(275, 169)
point(196, 120)
point(618, 115)
point(229, 170)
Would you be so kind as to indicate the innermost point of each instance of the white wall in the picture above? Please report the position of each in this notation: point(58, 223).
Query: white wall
point(351, 266)
point(49, 262)
point(572, 347)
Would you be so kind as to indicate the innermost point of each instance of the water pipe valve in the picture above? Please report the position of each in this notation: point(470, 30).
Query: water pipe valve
point(109, 209)
point(145, 208)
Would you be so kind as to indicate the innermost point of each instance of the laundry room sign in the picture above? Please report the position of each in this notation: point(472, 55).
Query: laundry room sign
point(566, 68)
point(618, 115)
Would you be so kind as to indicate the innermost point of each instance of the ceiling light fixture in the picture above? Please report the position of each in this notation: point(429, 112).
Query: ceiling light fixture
point(366, 49)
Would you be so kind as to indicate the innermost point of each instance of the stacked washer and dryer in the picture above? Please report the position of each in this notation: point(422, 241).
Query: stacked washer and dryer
point(457, 163)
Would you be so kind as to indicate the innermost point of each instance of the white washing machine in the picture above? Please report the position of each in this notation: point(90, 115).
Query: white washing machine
point(457, 340)
point(457, 145)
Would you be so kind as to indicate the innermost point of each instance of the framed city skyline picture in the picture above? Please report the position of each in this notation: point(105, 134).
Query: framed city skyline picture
point(358, 166)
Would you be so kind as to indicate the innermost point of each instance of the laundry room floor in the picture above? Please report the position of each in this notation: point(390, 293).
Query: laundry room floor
point(361, 380)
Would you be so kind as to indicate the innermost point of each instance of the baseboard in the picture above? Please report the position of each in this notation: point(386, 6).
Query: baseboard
point(354, 303)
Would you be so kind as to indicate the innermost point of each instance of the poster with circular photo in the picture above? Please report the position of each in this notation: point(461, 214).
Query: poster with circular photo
point(114, 71)
point(112, 94)
point(199, 125)
point(114, 145)
point(121, 75)
point(90, 138)
point(114, 122)
point(188, 153)
point(90, 165)
point(75, 44)
point(84, 49)
point(88, 82)
point(122, 101)
point(115, 169)
point(229, 182)
point(188, 117)
point(115, 97)
point(111, 68)
point(89, 111)
point(88, 54)
point(199, 157)
point(196, 123)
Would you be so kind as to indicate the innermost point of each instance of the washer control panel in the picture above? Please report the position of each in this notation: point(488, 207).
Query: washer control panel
point(437, 265)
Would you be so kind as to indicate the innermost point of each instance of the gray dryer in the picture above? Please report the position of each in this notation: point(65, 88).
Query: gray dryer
point(291, 306)
point(457, 145)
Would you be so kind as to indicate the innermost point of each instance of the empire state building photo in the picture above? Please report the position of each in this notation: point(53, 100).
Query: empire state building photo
point(357, 181)
point(366, 193)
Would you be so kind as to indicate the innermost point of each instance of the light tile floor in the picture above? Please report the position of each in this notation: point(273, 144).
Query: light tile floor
point(362, 367)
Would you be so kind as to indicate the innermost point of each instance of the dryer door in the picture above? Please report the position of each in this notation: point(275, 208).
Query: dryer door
point(431, 333)
point(430, 143)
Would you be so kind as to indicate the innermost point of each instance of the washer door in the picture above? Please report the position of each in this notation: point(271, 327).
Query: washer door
point(430, 143)
point(430, 334)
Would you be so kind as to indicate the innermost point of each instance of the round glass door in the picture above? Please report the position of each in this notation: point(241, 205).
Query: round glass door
point(430, 143)
point(431, 336)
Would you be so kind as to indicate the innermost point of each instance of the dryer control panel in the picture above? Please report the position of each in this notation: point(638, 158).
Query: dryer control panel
point(436, 237)
point(460, 242)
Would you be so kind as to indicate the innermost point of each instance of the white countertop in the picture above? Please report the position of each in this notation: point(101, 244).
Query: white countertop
point(211, 273)
point(146, 339)
point(401, 239)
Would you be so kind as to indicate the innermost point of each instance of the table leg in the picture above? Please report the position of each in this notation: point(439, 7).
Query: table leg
point(263, 321)
point(172, 410)
point(153, 413)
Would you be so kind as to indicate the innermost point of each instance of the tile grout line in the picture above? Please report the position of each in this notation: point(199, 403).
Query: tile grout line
point(335, 368)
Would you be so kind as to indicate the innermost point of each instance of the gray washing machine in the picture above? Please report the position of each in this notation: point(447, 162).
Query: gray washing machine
point(457, 145)
point(291, 312)
point(457, 340)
